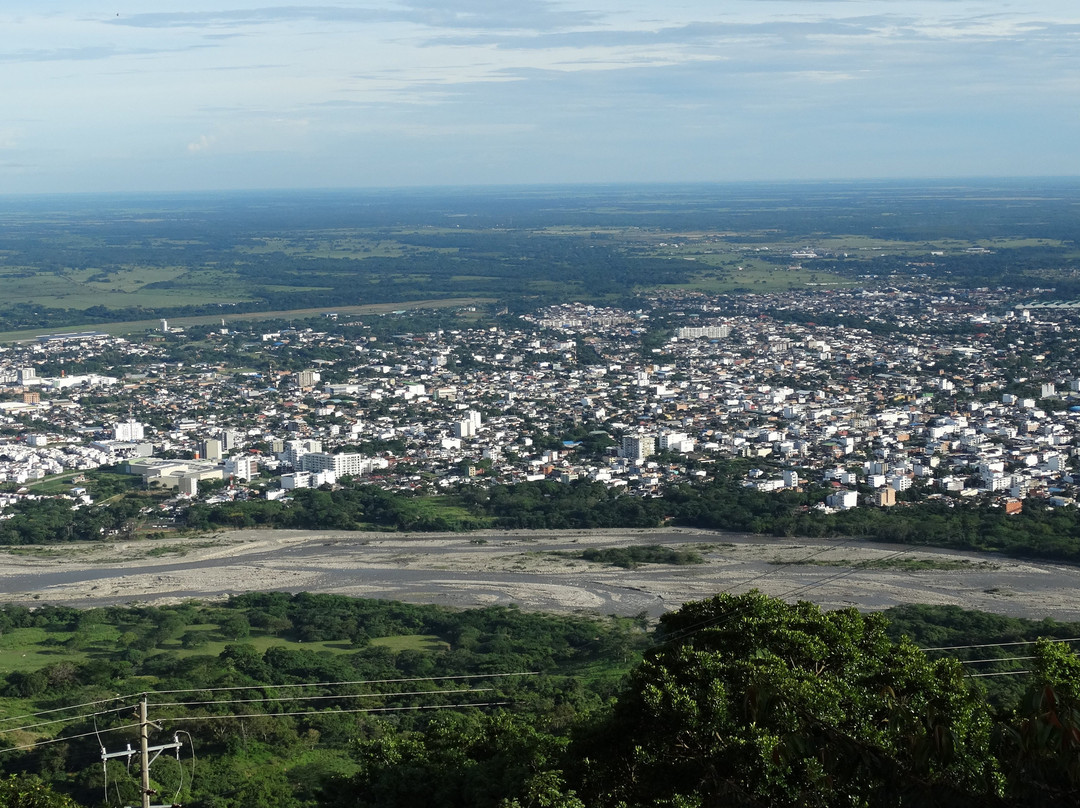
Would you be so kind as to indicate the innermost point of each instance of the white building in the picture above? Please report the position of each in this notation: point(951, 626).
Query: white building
point(340, 464)
point(708, 332)
point(243, 467)
point(843, 500)
point(129, 430)
point(298, 479)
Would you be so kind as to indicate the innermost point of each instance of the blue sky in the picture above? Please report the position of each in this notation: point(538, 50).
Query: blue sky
point(161, 96)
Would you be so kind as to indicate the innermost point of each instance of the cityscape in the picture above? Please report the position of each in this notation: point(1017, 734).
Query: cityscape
point(882, 412)
point(540, 404)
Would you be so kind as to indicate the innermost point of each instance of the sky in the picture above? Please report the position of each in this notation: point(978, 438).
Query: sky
point(187, 96)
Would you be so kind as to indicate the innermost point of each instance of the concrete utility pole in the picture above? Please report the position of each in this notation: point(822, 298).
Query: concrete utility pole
point(144, 754)
point(144, 751)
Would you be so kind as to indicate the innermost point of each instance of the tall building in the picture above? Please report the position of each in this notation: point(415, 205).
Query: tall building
point(243, 467)
point(638, 447)
point(295, 450)
point(129, 430)
point(211, 450)
point(308, 378)
point(231, 440)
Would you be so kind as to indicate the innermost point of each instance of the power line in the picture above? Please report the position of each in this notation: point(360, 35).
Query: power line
point(339, 684)
point(992, 659)
point(69, 707)
point(418, 707)
point(129, 696)
point(65, 720)
point(995, 644)
point(66, 738)
point(322, 697)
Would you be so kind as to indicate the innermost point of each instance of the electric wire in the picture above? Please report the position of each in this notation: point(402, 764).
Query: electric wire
point(130, 696)
point(340, 684)
point(179, 785)
point(995, 644)
point(69, 707)
point(321, 697)
point(191, 746)
point(414, 708)
point(66, 738)
point(65, 720)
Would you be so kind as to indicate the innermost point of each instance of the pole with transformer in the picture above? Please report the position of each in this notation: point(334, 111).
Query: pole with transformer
point(144, 754)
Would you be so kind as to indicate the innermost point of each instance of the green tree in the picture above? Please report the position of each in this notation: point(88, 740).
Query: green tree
point(30, 791)
point(1040, 748)
point(751, 701)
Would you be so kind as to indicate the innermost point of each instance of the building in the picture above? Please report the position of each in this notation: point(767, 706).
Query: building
point(638, 447)
point(708, 332)
point(885, 497)
point(308, 378)
point(298, 479)
point(842, 500)
point(351, 463)
point(170, 473)
point(243, 467)
point(129, 430)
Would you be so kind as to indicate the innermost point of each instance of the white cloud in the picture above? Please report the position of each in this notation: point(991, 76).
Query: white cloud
point(10, 137)
point(201, 144)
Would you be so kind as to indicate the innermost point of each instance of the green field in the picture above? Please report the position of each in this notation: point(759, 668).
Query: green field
point(31, 649)
point(134, 326)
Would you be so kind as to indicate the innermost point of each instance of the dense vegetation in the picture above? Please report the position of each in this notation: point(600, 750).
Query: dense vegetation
point(635, 555)
point(722, 504)
point(251, 657)
point(266, 252)
point(738, 701)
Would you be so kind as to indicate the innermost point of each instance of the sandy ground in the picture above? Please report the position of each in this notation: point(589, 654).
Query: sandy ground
point(535, 570)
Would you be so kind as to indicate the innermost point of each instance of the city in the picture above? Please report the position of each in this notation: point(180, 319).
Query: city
point(905, 395)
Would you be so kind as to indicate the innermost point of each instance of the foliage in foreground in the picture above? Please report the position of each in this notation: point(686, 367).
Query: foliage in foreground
point(741, 701)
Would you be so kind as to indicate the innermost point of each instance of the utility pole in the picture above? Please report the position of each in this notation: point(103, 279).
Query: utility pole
point(144, 753)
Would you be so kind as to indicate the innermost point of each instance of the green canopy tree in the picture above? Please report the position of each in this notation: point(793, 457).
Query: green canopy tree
point(30, 791)
point(1040, 748)
point(751, 701)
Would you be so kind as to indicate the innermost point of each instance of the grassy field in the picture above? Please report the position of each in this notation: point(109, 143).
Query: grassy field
point(132, 326)
point(30, 649)
point(82, 288)
point(758, 277)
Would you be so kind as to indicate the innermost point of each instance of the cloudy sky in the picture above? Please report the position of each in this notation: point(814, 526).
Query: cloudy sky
point(169, 95)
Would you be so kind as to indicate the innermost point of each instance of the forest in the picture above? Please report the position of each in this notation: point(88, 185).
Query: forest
point(303, 701)
point(68, 262)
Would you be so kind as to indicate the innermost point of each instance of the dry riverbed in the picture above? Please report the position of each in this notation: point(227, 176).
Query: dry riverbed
point(535, 570)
